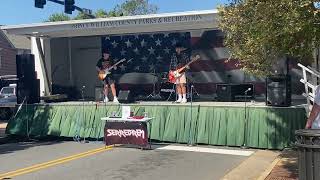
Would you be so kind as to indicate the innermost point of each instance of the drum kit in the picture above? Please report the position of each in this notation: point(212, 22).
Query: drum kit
point(162, 88)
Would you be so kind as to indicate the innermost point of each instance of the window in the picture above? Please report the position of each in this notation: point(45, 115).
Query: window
point(7, 90)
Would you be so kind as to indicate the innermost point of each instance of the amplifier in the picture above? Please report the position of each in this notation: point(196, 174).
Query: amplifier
point(232, 92)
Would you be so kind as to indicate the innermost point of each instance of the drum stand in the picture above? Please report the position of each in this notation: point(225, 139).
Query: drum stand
point(173, 91)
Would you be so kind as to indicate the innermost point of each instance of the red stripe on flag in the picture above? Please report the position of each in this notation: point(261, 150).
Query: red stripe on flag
point(214, 65)
point(194, 40)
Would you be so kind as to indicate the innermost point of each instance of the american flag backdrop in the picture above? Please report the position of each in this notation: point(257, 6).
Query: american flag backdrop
point(152, 53)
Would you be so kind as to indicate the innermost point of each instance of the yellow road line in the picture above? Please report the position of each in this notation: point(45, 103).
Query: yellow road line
point(52, 163)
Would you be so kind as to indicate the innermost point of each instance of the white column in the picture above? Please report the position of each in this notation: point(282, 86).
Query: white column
point(45, 44)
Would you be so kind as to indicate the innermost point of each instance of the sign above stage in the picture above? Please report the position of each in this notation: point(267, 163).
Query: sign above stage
point(144, 21)
point(181, 21)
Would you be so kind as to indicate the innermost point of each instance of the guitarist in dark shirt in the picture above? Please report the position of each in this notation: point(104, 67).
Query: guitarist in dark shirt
point(102, 64)
point(179, 59)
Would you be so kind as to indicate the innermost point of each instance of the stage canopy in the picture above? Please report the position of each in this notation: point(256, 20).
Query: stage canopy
point(119, 25)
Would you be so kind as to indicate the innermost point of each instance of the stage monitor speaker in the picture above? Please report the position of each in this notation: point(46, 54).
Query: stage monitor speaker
point(278, 90)
point(224, 93)
point(25, 66)
point(235, 92)
point(28, 91)
point(125, 96)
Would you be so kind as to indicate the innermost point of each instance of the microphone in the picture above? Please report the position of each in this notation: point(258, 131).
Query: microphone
point(249, 89)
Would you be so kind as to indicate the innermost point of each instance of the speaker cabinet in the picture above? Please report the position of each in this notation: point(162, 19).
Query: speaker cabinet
point(125, 96)
point(278, 90)
point(28, 91)
point(25, 66)
point(224, 93)
point(235, 92)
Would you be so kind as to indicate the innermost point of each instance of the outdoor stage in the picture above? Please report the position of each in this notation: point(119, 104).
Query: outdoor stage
point(213, 123)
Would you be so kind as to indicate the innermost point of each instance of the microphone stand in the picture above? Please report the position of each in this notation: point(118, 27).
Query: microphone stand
point(77, 137)
point(245, 119)
point(190, 139)
point(82, 94)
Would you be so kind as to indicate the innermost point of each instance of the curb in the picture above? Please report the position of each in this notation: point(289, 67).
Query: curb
point(265, 174)
point(255, 166)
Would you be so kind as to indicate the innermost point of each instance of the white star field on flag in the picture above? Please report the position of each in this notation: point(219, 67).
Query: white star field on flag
point(150, 52)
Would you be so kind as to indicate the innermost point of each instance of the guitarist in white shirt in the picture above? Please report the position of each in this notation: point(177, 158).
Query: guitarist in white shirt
point(102, 64)
point(179, 59)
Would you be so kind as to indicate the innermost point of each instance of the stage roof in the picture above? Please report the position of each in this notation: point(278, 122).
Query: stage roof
point(181, 21)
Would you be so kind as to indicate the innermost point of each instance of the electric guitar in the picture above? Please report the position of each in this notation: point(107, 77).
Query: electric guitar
point(105, 72)
point(173, 75)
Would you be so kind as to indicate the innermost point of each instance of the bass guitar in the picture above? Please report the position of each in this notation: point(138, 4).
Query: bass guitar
point(105, 72)
point(174, 74)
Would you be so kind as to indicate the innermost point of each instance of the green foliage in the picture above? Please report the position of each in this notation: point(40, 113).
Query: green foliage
point(260, 32)
point(58, 17)
point(82, 15)
point(100, 13)
point(134, 7)
point(128, 8)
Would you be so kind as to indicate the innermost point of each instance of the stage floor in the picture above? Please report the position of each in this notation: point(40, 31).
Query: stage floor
point(295, 104)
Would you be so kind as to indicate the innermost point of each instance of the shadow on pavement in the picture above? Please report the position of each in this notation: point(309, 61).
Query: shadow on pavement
point(11, 144)
point(286, 168)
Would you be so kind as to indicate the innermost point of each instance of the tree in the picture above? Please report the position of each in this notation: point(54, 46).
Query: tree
point(134, 7)
point(128, 8)
point(58, 17)
point(82, 15)
point(259, 32)
point(100, 13)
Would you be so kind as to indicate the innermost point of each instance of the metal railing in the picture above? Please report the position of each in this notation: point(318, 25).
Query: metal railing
point(310, 81)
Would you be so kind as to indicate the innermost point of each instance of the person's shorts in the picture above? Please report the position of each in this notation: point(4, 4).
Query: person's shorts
point(108, 80)
point(182, 79)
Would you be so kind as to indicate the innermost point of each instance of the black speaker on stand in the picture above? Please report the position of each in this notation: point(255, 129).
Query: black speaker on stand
point(28, 86)
point(278, 90)
point(28, 91)
point(25, 66)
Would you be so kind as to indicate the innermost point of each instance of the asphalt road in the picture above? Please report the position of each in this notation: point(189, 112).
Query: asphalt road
point(116, 163)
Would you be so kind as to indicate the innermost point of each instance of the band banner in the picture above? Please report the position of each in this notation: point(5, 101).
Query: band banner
point(135, 133)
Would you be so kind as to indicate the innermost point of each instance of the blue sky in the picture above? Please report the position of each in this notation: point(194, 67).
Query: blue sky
point(24, 12)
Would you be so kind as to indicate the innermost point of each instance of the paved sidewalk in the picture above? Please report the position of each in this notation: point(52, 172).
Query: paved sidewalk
point(253, 167)
point(286, 168)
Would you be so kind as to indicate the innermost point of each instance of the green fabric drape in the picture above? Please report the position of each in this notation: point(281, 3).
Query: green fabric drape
point(263, 127)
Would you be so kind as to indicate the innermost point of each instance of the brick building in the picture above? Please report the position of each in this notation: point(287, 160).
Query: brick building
point(10, 45)
point(7, 56)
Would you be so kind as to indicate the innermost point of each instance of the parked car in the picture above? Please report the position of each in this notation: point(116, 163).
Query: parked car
point(8, 101)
